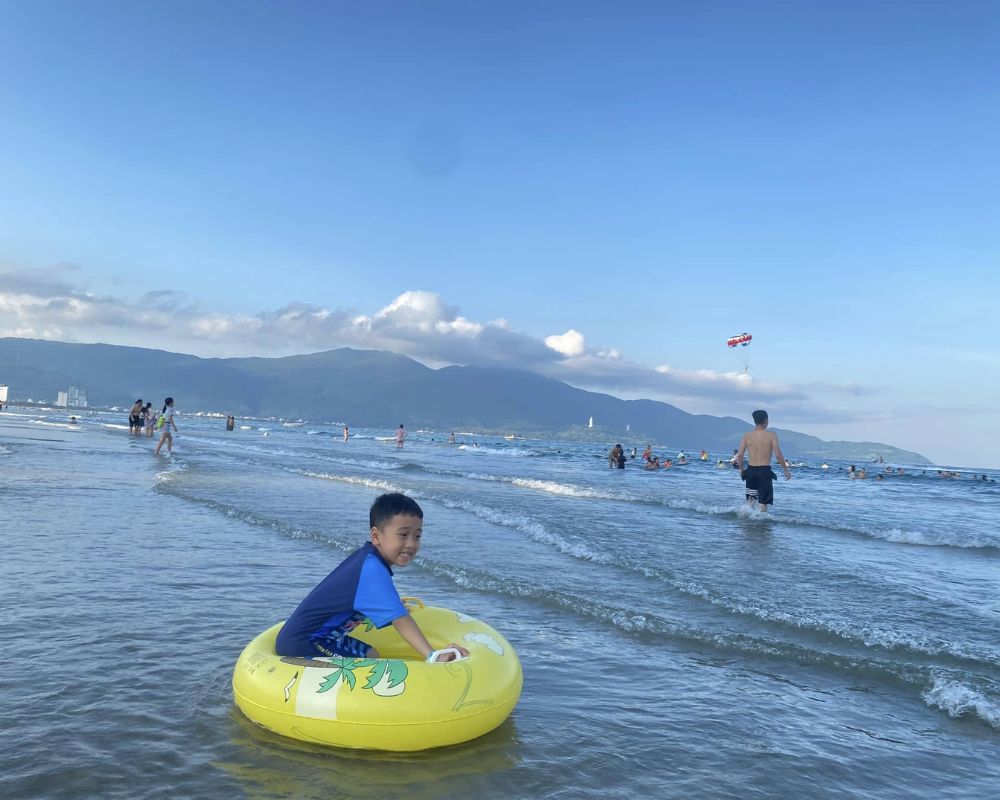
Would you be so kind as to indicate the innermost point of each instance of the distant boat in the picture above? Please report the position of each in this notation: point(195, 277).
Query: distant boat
point(591, 423)
point(293, 424)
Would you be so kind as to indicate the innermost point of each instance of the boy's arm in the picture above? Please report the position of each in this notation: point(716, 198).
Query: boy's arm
point(412, 635)
point(407, 627)
point(781, 458)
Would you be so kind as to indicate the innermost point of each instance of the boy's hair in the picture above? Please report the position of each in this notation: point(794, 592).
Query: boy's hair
point(759, 417)
point(389, 505)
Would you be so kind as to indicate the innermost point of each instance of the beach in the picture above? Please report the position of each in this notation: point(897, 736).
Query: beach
point(673, 643)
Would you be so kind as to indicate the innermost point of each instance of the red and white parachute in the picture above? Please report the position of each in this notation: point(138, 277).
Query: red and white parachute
point(741, 339)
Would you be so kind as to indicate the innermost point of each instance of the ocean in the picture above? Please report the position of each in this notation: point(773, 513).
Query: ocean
point(674, 643)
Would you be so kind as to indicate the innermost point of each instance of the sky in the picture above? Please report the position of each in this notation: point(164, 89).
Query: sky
point(602, 192)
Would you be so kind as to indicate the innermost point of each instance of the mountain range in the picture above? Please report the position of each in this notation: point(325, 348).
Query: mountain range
point(371, 388)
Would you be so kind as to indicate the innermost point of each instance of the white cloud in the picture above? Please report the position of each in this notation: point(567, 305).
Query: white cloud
point(570, 343)
point(51, 304)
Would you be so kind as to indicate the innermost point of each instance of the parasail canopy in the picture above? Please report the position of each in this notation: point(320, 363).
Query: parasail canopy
point(741, 339)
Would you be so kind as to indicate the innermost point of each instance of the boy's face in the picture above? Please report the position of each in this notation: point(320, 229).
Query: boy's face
point(398, 540)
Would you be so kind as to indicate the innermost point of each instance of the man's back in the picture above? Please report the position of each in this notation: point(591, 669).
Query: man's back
point(760, 447)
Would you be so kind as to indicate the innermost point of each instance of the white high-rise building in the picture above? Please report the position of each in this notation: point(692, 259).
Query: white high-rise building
point(76, 397)
point(62, 399)
point(3, 392)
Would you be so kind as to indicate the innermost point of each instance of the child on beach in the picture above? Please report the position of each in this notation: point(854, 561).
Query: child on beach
point(400, 435)
point(761, 444)
point(361, 588)
point(165, 422)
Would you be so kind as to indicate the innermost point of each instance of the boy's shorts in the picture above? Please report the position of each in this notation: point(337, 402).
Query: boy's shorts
point(760, 486)
point(338, 643)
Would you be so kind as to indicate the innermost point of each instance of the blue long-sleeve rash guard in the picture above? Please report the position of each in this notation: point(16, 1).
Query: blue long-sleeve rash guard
point(360, 588)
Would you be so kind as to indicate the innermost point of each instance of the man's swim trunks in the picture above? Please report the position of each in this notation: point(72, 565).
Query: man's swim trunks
point(759, 484)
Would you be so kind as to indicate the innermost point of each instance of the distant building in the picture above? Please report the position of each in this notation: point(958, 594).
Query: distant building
point(76, 397)
point(3, 392)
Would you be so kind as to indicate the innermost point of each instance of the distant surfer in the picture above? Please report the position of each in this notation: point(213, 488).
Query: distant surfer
point(760, 444)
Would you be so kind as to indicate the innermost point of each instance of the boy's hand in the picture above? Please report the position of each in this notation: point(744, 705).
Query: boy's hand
point(442, 657)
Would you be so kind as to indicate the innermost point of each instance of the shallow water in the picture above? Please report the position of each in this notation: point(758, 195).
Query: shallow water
point(673, 644)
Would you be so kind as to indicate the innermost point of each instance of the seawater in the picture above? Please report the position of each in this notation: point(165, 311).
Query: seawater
point(674, 644)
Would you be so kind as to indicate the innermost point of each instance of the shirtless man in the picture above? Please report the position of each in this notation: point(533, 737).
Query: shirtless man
point(760, 443)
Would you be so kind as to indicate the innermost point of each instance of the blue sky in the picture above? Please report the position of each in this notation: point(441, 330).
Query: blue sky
point(461, 181)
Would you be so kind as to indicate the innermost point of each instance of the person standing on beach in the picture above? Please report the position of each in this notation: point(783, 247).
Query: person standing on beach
point(400, 435)
point(760, 444)
point(166, 421)
point(135, 418)
point(347, 434)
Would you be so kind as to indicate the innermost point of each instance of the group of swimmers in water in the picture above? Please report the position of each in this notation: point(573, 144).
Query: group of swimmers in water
point(617, 458)
point(146, 418)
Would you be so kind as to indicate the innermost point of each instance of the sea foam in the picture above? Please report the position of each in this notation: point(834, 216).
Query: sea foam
point(960, 700)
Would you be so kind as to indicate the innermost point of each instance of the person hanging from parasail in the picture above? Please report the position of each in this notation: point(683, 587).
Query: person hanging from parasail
point(740, 340)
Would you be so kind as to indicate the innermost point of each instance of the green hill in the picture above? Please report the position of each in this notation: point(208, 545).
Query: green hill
point(370, 388)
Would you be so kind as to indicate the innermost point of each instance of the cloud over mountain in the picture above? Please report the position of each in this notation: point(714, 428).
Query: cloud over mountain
point(54, 304)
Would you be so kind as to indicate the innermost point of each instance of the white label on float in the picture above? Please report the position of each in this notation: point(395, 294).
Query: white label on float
point(485, 639)
point(310, 701)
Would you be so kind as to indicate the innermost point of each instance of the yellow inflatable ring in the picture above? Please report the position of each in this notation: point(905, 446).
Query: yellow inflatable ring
point(396, 702)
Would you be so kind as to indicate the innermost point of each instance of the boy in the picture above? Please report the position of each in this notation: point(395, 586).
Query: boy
point(760, 443)
point(361, 588)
